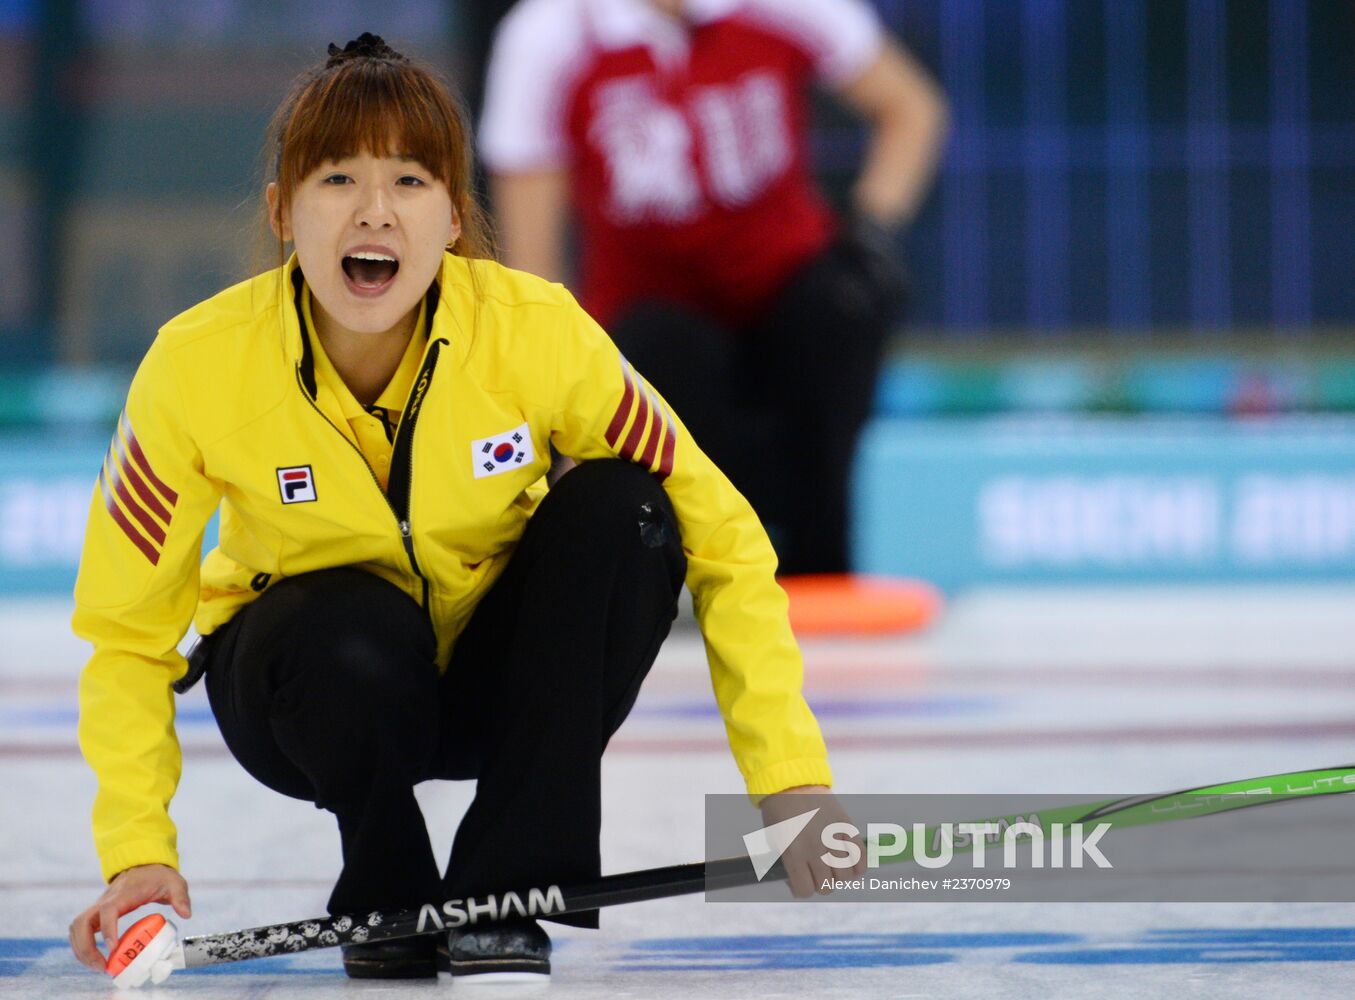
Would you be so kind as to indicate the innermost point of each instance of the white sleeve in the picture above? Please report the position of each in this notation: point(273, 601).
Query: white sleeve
point(535, 51)
point(845, 36)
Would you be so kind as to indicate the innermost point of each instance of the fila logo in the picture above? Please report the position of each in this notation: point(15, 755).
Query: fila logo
point(297, 484)
point(502, 452)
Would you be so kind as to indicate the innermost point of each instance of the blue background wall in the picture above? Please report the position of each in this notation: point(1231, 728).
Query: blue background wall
point(1173, 165)
point(1129, 169)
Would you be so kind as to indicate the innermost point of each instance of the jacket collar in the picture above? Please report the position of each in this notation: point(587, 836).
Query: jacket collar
point(623, 24)
point(298, 346)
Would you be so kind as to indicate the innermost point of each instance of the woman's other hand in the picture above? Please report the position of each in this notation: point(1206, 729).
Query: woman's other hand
point(806, 871)
point(129, 890)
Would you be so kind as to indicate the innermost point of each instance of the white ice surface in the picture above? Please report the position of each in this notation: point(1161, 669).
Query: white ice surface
point(1037, 691)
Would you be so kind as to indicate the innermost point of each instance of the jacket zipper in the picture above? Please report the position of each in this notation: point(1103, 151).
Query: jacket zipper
point(406, 530)
point(407, 419)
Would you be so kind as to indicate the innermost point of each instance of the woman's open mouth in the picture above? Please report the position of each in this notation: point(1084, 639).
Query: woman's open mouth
point(369, 272)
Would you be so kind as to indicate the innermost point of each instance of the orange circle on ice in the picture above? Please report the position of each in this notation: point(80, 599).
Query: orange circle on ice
point(847, 604)
point(133, 942)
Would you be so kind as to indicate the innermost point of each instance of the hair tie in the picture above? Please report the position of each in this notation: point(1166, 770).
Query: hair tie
point(365, 46)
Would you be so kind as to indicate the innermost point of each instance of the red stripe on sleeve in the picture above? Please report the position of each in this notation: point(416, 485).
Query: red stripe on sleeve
point(141, 460)
point(622, 411)
point(669, 446)
point(142, 490)
point(147, 549)
point(656, 431)
point(147, 522)
point(642, 422)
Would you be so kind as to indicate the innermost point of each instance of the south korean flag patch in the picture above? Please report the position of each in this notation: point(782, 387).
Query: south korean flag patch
point(502, 452)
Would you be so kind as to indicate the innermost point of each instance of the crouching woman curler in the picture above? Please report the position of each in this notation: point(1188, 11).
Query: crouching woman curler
point(397, 595)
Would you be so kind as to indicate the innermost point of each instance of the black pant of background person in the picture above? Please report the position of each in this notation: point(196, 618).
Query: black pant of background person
point(325, 689)
point(779, 407)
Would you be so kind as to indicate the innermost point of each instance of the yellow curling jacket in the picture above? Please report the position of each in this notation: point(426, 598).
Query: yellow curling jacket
point(222, 412)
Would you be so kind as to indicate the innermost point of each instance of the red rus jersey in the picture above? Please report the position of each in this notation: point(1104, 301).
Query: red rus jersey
point(686, 143)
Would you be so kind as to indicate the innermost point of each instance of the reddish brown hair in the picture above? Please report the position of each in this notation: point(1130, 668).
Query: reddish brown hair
point(369, 98)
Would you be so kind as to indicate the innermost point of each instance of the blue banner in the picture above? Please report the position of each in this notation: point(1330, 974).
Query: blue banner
point(1147, 500)
point(956, 502)
point(45, 488)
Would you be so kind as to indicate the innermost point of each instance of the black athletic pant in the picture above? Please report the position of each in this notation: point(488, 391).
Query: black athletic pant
point(325, 689)
point(779, 406)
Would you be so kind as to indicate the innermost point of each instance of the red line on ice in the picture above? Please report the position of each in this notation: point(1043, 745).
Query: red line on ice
point(1033, 739)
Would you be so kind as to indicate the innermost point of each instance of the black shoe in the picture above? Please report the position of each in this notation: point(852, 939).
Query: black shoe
point(512, 951)
point(403, 958)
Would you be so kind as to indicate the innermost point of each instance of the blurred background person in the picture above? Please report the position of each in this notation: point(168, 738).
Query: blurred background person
point(674, 134)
